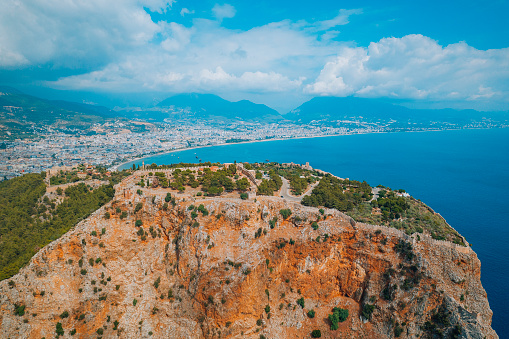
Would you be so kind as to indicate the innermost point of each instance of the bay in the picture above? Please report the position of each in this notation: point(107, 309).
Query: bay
point(462, 174)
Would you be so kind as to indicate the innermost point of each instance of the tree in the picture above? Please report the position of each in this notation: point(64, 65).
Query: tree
point(338, 315)
point(367, 310)
point(215, 190)
point(316, 334)
point(242, 184)
point(285, 213)
point(301, 302)
point(59, 330)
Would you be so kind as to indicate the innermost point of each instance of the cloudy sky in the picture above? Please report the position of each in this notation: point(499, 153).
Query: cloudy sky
point(281, 53)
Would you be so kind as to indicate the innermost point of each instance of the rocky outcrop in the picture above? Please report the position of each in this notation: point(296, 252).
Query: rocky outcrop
point(237, 269)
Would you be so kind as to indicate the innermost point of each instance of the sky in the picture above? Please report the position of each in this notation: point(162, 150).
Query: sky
point(280, 53)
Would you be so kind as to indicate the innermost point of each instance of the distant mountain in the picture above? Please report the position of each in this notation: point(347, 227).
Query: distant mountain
point(35, 109)
point(209, 106)
point(19, 112)
point(352, 109)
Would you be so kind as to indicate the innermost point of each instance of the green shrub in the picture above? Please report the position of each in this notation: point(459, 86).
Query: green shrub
point(73, 332)
point(59, 330)
point(64, 314)
point(99, 331)
point(398, 330)
point(258, 233)
point(83, 271)
point(285, 213)
point(203, 210)
point(316, 334)
point(267, 309)
point(301, 302)
point(157, 282)
point(244, 196)
point(138, 223)
point(19, 309)
point(314, 225)
point(135, 302)
point(338, 316)
point(367, 310)
point(311, 313)
point(138, 207)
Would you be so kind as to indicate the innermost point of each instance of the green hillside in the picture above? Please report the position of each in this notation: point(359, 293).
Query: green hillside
point(29, 220)
point(21, 113)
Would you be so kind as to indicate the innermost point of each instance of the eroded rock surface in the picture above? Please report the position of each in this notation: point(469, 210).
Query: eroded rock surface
point(213, 277)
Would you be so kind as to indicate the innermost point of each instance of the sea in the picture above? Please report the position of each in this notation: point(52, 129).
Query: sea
point(462, 174)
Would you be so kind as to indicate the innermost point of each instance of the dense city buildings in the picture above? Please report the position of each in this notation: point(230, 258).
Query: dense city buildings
point(116, 145)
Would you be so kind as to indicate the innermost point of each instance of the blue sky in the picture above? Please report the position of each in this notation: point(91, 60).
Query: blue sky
point(281, 53)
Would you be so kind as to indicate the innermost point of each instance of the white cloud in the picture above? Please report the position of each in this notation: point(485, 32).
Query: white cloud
point(339, 20)
point(116, 46)
point(11, 59)
point(415, 67)
point(74, 33)
point(208, 57)
point(257, 81)
point(185, 11)
point(176, 36)
point(223, 11)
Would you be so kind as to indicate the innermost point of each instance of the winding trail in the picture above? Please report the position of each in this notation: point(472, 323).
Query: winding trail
point(285, 191)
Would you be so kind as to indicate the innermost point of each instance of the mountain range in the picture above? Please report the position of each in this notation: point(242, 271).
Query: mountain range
point(330, 109)
point(209, 106)
point(20, 113)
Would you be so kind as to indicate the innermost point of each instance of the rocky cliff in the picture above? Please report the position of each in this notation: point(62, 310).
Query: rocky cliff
point(237, 268)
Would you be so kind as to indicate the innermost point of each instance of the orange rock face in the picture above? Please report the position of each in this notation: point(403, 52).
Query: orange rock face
point(227, 273)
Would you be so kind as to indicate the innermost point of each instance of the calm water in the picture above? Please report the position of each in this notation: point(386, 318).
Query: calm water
point(463, 175)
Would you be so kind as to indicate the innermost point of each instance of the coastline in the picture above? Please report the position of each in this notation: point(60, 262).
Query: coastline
point(116, 167)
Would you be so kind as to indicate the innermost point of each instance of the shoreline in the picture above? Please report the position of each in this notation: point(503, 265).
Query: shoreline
point(116, 167)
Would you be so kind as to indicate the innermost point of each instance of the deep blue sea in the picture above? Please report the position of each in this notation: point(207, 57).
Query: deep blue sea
point(462, 174)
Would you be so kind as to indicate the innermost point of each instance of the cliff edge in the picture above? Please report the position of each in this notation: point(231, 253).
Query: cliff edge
point(222, 267)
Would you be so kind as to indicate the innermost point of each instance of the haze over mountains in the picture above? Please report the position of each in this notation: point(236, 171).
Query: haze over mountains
point(211, 106)
point(343, 109)
point(19, 111)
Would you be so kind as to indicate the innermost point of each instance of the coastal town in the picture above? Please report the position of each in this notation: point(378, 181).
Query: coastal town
point(117, 146)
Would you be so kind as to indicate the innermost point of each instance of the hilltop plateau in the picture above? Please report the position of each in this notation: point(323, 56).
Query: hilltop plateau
point(181, 253)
